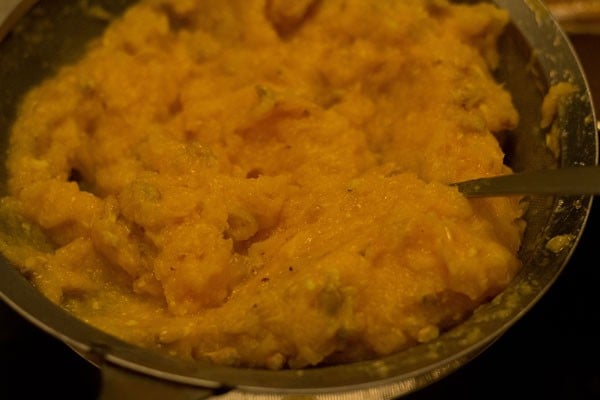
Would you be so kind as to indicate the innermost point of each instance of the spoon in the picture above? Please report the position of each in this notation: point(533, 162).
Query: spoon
point(565, 181)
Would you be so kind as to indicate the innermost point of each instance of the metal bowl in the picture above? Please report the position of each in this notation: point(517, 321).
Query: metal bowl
point(535, 54)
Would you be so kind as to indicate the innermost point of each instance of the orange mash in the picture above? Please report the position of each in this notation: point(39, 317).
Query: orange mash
point(264, 183)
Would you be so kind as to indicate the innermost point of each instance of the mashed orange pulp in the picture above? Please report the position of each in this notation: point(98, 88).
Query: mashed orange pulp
point(265, 183)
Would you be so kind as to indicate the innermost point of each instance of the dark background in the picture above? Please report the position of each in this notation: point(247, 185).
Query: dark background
point(553, 352)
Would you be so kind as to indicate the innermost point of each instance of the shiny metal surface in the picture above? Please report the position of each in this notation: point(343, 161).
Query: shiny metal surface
point(560, 181)
point(535, 55)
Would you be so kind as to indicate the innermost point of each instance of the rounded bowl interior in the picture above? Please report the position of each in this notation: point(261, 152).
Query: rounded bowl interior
point(535, 54)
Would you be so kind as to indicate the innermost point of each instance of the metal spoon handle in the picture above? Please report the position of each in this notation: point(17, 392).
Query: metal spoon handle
point(565, 181)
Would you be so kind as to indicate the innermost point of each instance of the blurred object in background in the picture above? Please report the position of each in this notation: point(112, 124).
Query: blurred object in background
point(577, 16)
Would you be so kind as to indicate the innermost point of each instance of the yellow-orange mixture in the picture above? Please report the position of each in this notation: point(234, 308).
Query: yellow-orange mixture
point(264, 182)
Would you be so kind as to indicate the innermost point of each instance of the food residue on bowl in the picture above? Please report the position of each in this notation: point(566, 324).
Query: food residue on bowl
point(552, 106)
point(559, 242)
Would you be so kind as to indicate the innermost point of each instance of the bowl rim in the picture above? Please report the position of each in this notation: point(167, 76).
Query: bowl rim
point(103, 349)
